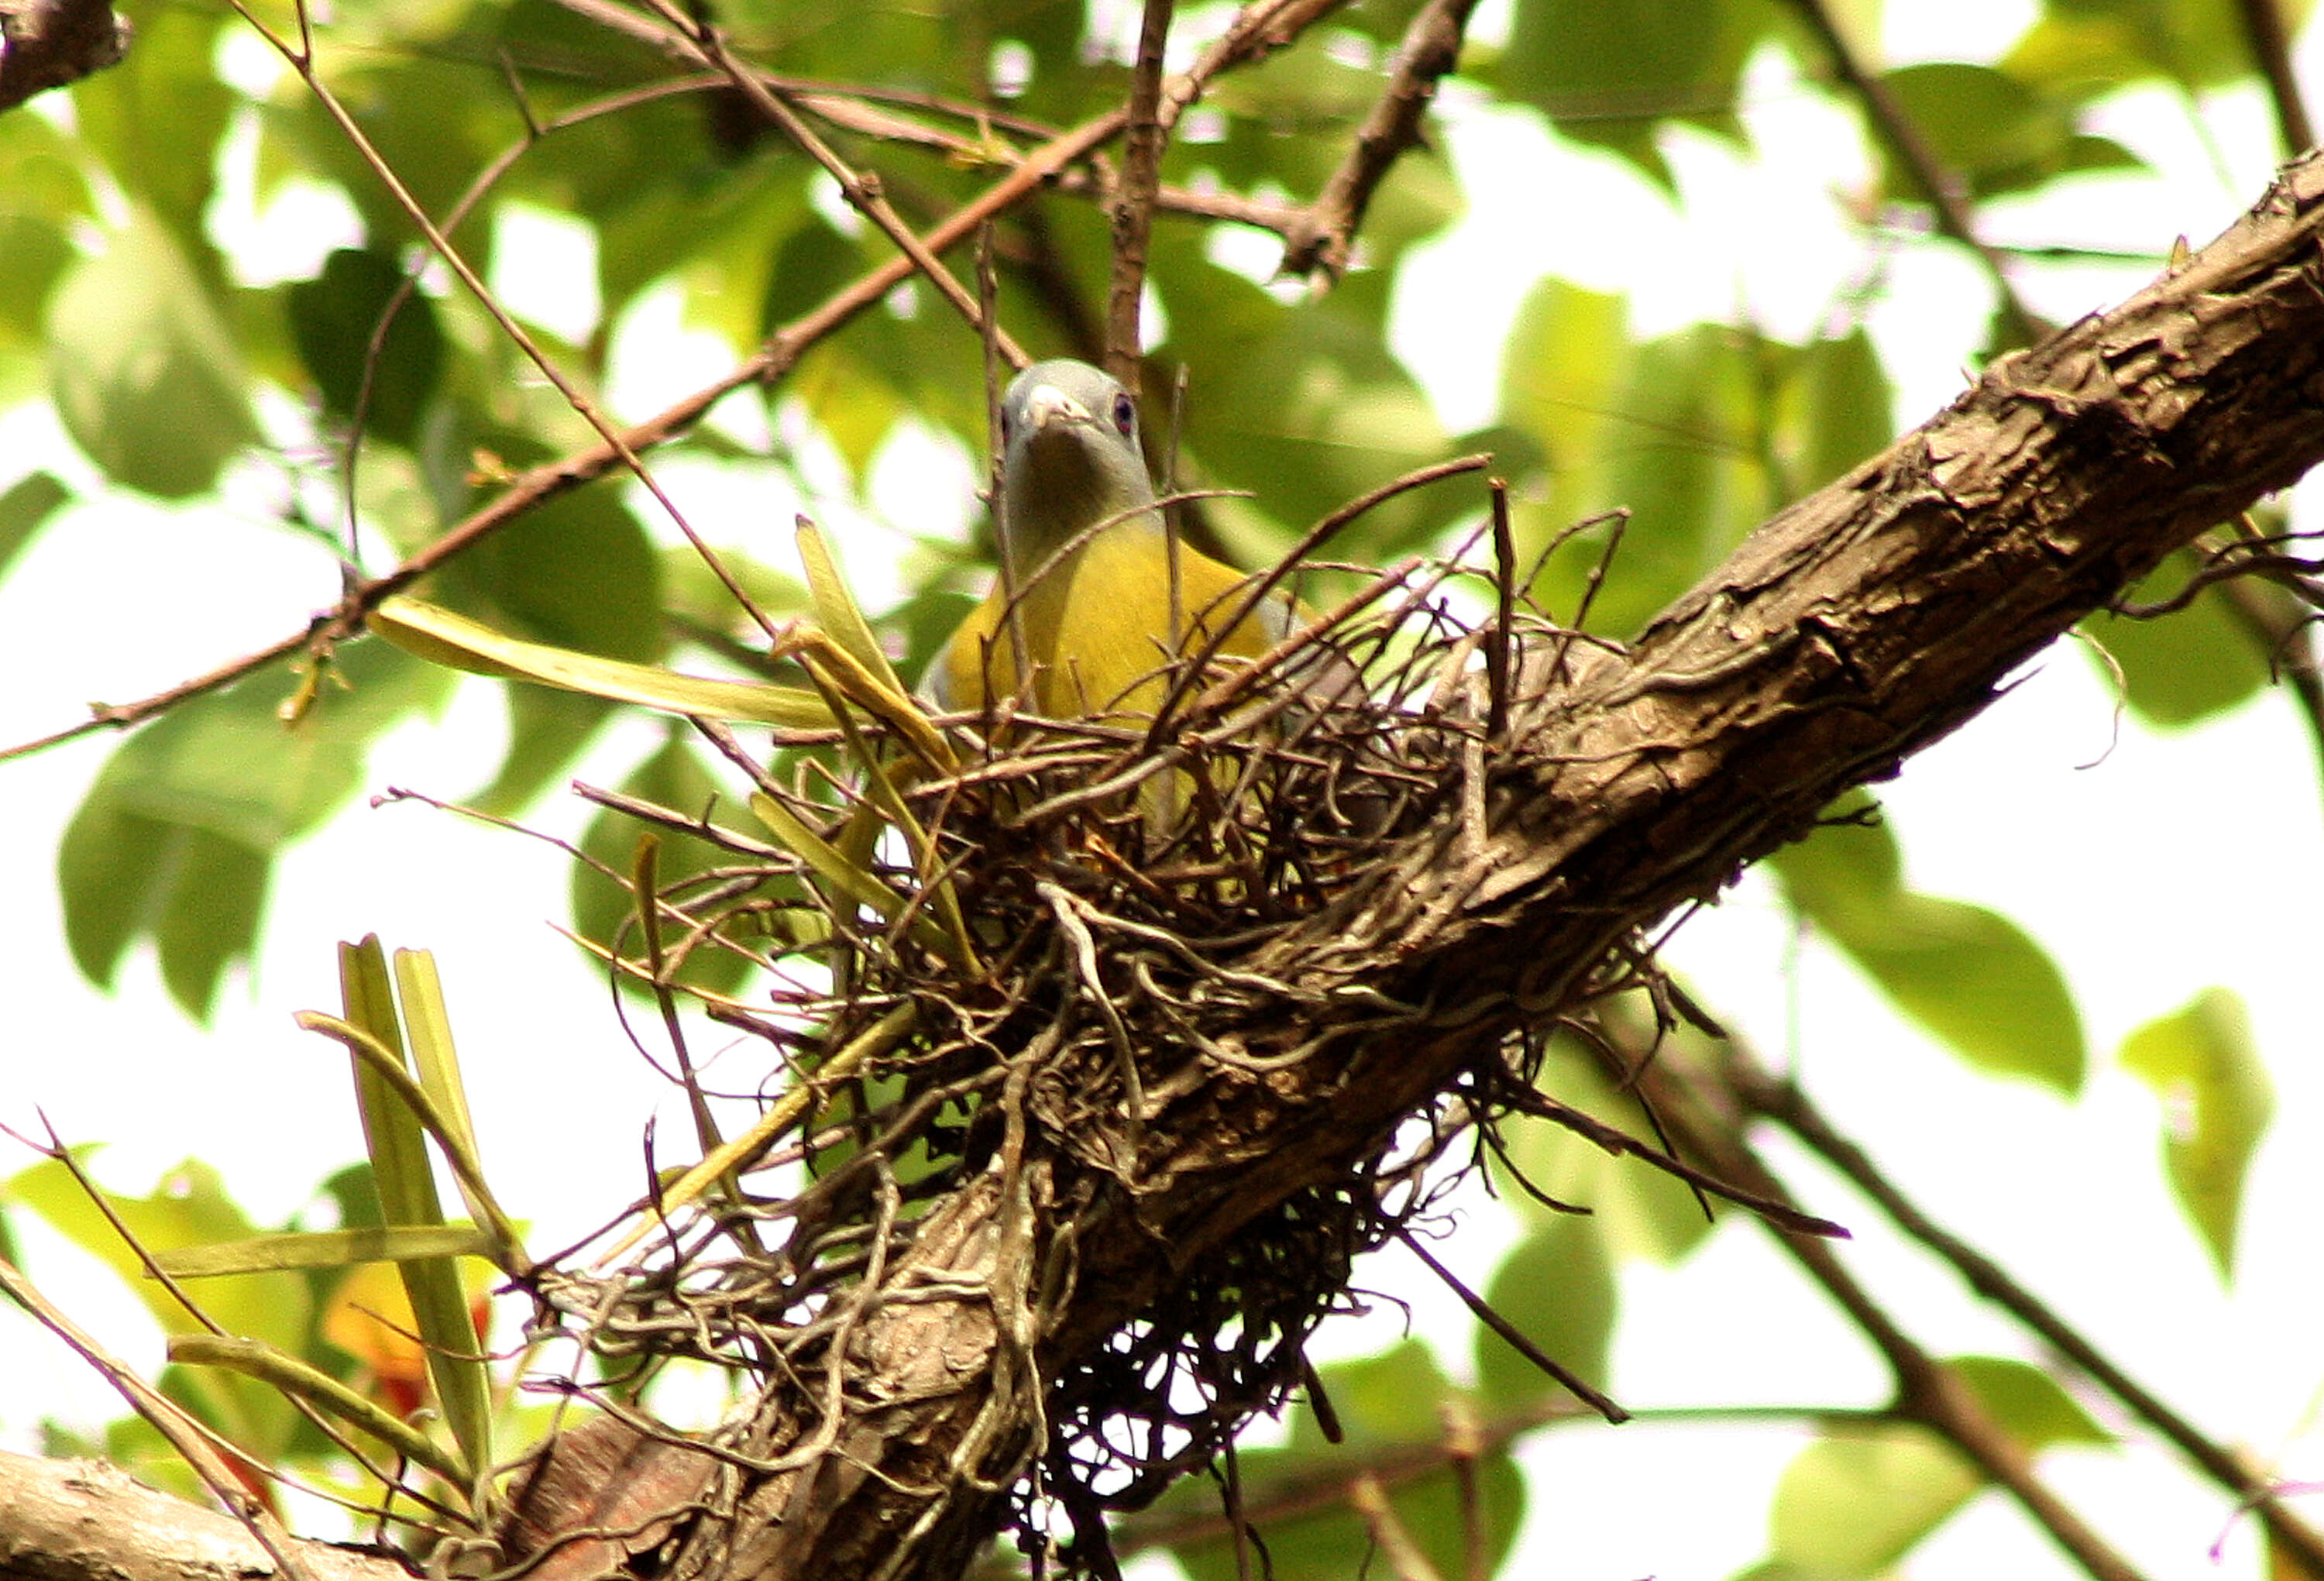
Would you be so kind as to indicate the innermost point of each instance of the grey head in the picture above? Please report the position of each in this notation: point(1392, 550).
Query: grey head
point(1073, 458)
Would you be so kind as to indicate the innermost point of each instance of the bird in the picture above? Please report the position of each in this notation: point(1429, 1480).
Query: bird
point(1089, 562)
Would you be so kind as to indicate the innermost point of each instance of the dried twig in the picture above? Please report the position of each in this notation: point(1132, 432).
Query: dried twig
point(1324, 237)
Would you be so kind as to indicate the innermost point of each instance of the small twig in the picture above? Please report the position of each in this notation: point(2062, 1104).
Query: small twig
point(1906, 144)
point(1785, 1103)
point(1133, 196)
point(862, 191)
point(988, 288)
point(1405, 1559)
point(1484, 1313)
point(2285, 636)
point(1083, 944)
point(1257, 30)
point(553, 478)
point(1775, 1209)
point(302, 61)
point(1505, 592)
point(1464, 1445)
point(2271, 48)
point(1256, 592)
point(182, 1433)
point(1322, 238)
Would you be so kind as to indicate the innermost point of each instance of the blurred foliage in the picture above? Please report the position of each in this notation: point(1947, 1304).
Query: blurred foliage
point(1966, 973)
point(125, 307)
point(2217, 1101)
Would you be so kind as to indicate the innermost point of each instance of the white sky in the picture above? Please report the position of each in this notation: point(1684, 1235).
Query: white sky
point(2172, 864)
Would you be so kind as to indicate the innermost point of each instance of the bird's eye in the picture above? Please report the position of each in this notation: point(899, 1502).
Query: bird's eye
point(1125, 414)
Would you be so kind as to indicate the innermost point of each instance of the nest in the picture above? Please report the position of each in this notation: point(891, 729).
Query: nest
point(1072, 974)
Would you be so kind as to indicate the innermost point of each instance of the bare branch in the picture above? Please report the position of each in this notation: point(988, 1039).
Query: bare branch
point(1323, 236)
point(2271, 48)
point(79, 1519)
point(1909, 150)
point(48, 43)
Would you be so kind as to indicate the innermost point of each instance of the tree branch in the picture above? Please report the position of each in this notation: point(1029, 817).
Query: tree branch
point(1860, 625)
point(74, 1520)
point(50, 43)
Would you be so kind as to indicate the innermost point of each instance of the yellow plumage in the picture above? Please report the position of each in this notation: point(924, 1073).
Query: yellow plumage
point(1091, 563)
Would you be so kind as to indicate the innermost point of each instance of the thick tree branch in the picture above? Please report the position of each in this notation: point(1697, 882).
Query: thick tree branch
point(76, 1519)
point(1862, 624)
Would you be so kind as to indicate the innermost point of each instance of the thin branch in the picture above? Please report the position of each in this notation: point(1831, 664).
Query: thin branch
point(1927, 1391)
point(1133, 196)
point(1405, 1559)
point(1257, 31)
point(546, 482)
point(1782, 1102)
point(1906, 146)
point(861, 191)
point(2281, 629)
point(2271, 48)
point(1517, 1339)
point(1322, 239)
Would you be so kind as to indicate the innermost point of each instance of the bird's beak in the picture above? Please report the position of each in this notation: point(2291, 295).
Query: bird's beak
point(1046, 405)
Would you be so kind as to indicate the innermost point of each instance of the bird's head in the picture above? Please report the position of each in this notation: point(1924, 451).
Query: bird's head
point(1072, 458)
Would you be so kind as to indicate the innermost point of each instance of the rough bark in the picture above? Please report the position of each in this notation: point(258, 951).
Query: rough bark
point(77, 1520)
point(1863, 623)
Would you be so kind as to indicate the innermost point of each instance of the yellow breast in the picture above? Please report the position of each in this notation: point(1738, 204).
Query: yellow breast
point(1097, 630)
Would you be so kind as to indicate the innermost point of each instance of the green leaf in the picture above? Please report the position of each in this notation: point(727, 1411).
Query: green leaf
point(605, 911)
point(443, 637)
point(1993, 130)
point(1607, 72)
point(288, 1376)
point(198, 895)
point(2199, 44)
point(1557, 1288)
point(155, 122)
point(1835, 410)
point(2217, 1103)
point(334, 319)
point(396, 1141)
point(577, 572)
point(176, 839)
point(143, 368)
point(1697, 435)
point(1854, 1505)
point(43, 176)
point(29, 502)
point(37, 254)
point(2186, 666)
point(189, 1207)
point(1968, 975)
point(691, 592)
point(1396, 1398)
point(326, 1248)
point(1335, 1544)
point(547, 730)
point(2028, 1401)
point(1303, 407)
